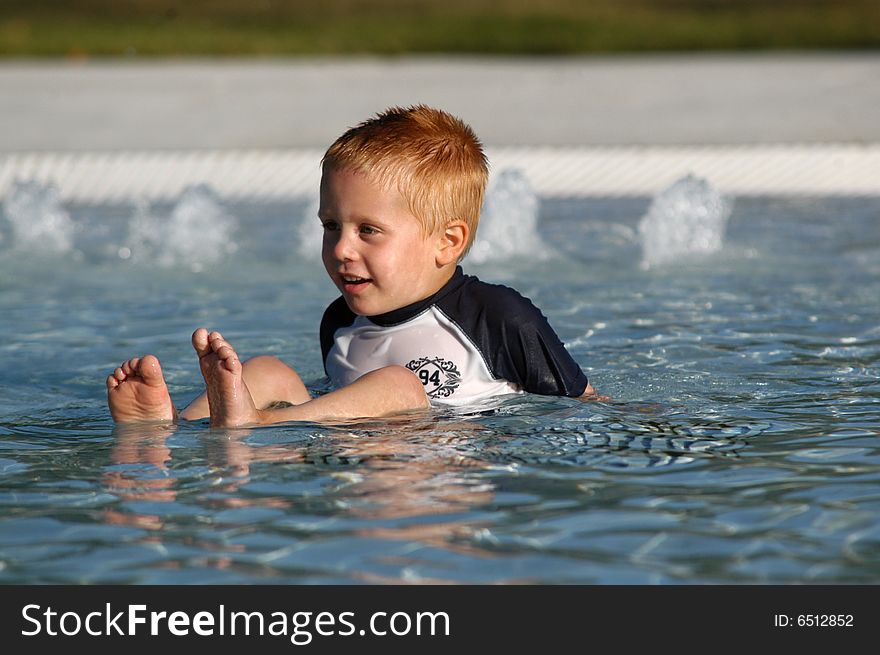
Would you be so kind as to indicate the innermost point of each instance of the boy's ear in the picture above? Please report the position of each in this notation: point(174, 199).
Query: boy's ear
point(452, 242)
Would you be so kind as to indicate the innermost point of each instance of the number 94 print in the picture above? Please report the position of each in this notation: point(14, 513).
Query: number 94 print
point(439, 376)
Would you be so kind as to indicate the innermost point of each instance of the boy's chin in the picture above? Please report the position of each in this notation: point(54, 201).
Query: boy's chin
point(357, 308)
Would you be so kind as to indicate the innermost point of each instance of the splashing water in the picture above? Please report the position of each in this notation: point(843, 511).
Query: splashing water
point(688, 218)
point(198, 232)
point(37, 221)
point(310, 233)
point(508, 225)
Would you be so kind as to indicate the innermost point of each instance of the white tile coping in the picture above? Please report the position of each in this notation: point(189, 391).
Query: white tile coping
point(600, 171)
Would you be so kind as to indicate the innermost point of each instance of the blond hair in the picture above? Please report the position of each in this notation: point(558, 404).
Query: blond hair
point(433, 158)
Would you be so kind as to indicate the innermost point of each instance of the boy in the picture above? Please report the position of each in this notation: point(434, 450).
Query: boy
point(400, 201)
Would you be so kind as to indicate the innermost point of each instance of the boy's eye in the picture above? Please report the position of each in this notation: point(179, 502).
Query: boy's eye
point(368, 229)
point(330, 226)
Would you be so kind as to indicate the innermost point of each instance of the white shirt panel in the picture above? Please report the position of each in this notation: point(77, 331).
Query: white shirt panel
point(448, 364)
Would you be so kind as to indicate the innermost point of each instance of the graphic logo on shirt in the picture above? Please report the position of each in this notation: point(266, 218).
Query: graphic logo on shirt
point(439, 376)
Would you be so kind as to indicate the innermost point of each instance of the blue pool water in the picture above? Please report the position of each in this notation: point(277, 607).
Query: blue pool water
point(741, 443)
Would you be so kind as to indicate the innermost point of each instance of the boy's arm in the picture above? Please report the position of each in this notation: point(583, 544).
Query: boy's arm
point(533, 355)
point(383, 392)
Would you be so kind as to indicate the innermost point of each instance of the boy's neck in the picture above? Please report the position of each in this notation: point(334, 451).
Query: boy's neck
point(403, 313)
point(445, 274)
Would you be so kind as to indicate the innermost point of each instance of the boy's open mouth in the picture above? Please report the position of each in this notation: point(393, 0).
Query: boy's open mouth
point(354, 283)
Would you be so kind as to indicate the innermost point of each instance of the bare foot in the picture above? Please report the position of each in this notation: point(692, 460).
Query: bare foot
point(229, 400)
point(136, 391)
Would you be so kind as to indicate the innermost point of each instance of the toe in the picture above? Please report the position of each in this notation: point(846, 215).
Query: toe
point(200, 341)
point(131, 366)
point(219, 344)
point(225, 351)
point(230, 361)
point(151, 371)
point(229, 358)
point(216, 341)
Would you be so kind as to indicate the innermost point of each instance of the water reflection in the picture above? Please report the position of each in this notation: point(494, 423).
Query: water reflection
point(140, 472)
point(407, 480)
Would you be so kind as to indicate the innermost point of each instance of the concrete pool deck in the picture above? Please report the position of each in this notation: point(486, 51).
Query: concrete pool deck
point(724, 112)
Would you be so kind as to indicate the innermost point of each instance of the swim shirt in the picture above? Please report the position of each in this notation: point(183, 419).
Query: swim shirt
point(468, 342)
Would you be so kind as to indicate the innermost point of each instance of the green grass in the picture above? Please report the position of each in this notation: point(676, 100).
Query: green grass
point(389, 27)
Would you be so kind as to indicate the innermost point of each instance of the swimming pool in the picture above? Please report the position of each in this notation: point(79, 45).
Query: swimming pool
point(740, 443)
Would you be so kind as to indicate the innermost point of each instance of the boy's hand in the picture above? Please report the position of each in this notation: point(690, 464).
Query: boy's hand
point(591, 394)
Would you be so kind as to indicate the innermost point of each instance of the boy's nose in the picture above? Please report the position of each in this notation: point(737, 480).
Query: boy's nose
point(344, 249)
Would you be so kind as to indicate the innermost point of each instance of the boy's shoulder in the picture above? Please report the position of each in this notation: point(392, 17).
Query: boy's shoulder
point(496, 303)
point(515, 338)
point(337, 315)
point(338, 312)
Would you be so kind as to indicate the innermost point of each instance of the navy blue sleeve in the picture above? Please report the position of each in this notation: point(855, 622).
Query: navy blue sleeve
point(337, 315)
point(517, 341)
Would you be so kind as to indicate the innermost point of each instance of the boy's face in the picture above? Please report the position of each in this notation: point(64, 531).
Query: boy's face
point(374, 249)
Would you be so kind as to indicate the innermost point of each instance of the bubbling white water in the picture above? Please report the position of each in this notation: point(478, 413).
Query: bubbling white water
point(196, 232)
point(310, 233)
point(199, 231)
point(509, 221)
point(35, 220)
point(686, 219)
